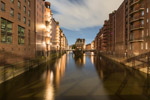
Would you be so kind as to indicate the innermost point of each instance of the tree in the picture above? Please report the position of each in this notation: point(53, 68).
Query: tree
point(74, 47)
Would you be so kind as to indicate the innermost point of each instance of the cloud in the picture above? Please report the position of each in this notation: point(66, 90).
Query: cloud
point(79, 14)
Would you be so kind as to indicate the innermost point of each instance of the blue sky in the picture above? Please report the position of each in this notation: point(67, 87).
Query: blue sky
point(82, 18)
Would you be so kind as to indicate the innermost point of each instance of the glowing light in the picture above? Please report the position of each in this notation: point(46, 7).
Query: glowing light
point(48, 35)
point(44, 44)
point(42, 26)
point(52, 76)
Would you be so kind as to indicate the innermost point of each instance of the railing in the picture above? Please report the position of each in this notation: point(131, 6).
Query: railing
point(136, 9)
point(132, 2)
point(136, 27)
point(136, 18)
point(136, 40)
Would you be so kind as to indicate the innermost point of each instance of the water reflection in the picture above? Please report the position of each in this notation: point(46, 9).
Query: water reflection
point(99, 79)
point(80, 60)
point(53, 77)
point(49, 93)
point(92, 57)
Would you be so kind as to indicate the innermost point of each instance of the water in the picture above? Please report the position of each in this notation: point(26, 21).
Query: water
point(78, 78)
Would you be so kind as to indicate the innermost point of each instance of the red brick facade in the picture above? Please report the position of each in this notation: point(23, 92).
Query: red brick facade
point(128, 29)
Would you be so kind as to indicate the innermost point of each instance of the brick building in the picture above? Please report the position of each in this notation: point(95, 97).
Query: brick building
point(55, 36)
point(17, 35)
point(139, 26)
point(128, 29)
point(80, 44)
point(120, 30)
point(28, 28)
point(88, 47)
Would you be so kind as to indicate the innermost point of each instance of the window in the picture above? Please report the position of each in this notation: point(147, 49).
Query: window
point(146, 45)
point(147, 10)
point(142, 33)
point(142, 22)
point(29, 13)
point(142, 13)
point(29, 39)
point(28, 22)
point(6, 31)
point(147, 32)
point(24, 20)
point(19, 4)
point(142, 46)
point(21, 35)
point(28, 3)
point(19, 16)
point(12, 12)
point(2, 6)
point(12, 1)
point(24, 9)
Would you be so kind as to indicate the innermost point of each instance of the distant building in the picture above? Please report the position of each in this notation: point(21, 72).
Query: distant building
point(55, 36)
point(92, 45)
point(88, 47)
point(43, 27)
point(80, 44)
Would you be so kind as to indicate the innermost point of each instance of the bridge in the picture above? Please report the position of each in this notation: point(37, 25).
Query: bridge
point(83, 50)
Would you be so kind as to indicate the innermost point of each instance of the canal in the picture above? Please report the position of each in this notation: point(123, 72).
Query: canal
point(89, 77)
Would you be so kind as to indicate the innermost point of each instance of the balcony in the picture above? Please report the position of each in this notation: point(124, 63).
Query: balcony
point(136, 40)
point(137, 18)
point(137, 9)
point(133, 2)
point(138, 27)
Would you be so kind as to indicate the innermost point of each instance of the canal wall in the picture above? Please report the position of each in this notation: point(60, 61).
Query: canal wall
point(121, 60)
point(11, 70)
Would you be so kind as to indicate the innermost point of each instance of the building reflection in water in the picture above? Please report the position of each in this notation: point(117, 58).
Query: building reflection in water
point(99, 66)
point(53, 77)
point(80, 60)
point(49, 93)
point(92, 57)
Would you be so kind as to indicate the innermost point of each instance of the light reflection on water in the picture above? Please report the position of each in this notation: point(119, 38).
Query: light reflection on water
point(87, 77)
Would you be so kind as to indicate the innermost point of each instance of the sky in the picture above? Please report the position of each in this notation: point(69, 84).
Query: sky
point(82, 18)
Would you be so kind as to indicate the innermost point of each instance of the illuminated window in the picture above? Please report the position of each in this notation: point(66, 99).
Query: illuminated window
point(147, 10)
point(142, 46)
point(142, 22)
point(146, 45)
point(142, 33)
point(142, 13)
point(147, 32)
